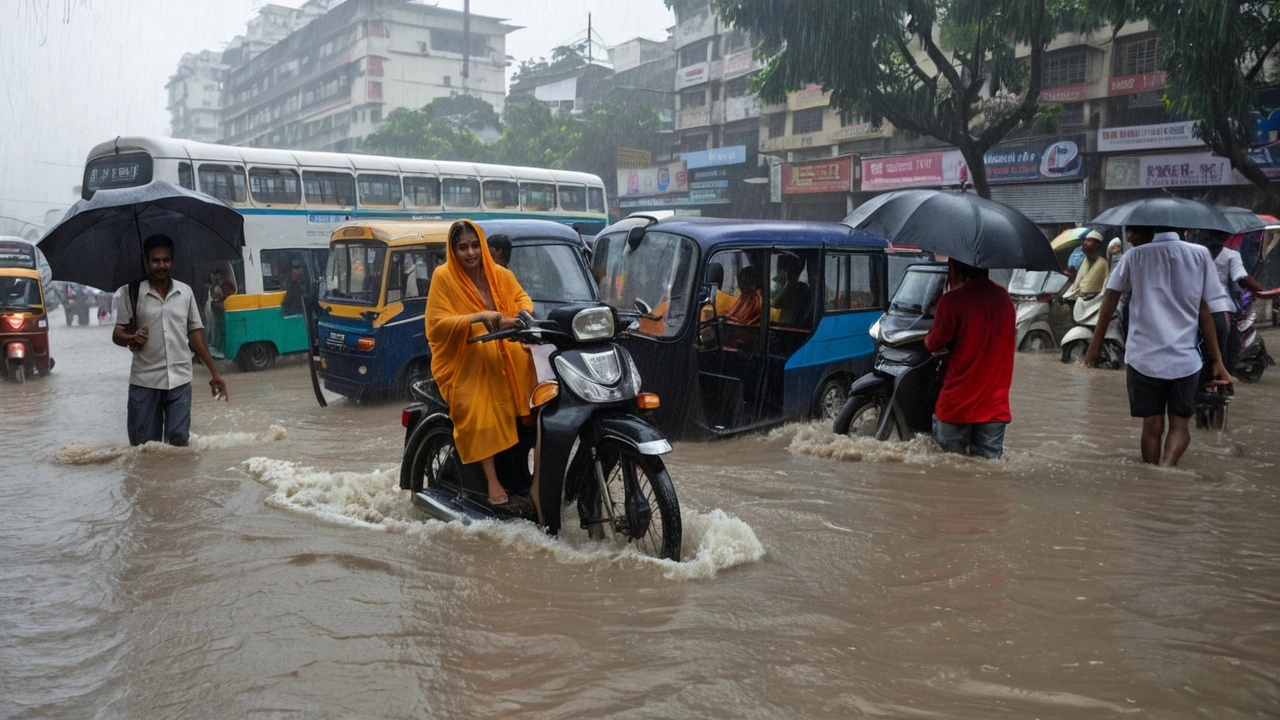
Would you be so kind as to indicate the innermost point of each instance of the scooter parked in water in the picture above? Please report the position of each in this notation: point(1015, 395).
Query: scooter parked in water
point(593, 444)
point(1252, 358)
point(896, 399)
point(1033, 292)
point(1076, 342)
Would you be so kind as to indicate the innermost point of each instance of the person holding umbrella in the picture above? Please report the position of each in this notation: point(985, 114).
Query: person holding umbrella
point(159, 321)
point(1171, 283)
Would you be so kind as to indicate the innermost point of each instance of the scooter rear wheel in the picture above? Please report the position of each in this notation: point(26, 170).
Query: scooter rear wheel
point(1073, 352)
point(435, 462)
point(651, 520)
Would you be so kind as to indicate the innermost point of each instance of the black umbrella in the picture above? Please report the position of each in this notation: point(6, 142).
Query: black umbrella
point(1167, 211)
point(1242, 220)
point(99, 241)
point(969, 228)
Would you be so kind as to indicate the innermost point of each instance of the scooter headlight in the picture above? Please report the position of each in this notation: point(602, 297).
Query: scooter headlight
point(602, 379)
point(593, 324)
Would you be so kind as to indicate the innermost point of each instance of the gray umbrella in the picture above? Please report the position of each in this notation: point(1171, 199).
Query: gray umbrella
point(1242, 220)
point(1170, 212)
point(969, 228)
point(99, 241)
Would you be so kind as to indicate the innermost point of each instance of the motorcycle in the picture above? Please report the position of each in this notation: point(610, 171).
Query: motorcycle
point(898, 396)
point(1252, 358)
point(1032, 292)
point(1076, 342)
point(594, 444)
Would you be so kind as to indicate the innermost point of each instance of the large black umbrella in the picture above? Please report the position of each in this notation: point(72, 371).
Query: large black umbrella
point(969, 228)
point(1168, 211)
point(1242, 220)
point(99, 241)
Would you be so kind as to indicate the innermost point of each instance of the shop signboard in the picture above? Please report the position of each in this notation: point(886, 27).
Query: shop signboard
point(666, 179)
point(1148, 137)
point(1063, 94)
point(739, 63)
point(902, 171)
point(693, 75)
point(732, 155)
point(1169, 170)
point(1140, 83)
point(709, 186)
point(830, 175)
point(1031, 160)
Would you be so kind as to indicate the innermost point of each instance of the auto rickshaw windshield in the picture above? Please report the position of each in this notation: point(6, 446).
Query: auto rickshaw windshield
point(20, 293)
point(658, 270)
point(354, 274)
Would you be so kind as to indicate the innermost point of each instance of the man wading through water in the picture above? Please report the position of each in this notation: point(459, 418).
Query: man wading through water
point(161, 334)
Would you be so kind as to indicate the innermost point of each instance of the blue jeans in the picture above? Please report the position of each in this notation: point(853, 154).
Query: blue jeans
point(159, 414)
point(984, 440)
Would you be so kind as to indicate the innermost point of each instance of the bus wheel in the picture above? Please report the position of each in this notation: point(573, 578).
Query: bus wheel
point(256, 356)
point(831, 398)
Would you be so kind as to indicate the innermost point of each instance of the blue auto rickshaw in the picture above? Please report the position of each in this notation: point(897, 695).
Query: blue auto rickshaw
point(719, 368)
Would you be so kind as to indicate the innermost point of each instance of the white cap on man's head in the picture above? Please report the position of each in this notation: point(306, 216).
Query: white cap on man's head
point(1114, 245)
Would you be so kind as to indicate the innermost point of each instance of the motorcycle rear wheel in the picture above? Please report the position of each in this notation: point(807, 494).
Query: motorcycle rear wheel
point(655, 530)
point(435, 462)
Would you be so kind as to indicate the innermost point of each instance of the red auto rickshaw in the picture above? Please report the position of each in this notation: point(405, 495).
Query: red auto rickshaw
point(24, 326)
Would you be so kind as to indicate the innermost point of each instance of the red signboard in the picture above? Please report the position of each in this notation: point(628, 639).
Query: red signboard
point(833, 175)
point(1130, 84)
point(1063, 94)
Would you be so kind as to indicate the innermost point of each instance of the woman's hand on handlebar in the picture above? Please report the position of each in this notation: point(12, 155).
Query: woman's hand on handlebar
point(493, 320)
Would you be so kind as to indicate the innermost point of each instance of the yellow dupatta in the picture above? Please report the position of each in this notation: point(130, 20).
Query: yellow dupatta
point(487, 385)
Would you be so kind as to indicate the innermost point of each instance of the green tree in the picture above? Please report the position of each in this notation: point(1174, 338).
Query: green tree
point(943, 68)
point(1216, 54)
point(623, 119)
point(563, 57)
point(438, 131)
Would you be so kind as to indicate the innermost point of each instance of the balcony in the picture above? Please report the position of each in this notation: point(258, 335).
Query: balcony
point(693, 117)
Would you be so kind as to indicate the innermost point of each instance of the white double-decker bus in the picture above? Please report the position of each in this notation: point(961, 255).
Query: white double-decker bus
point(291, 201)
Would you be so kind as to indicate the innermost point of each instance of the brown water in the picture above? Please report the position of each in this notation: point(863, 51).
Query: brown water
point(274, 569)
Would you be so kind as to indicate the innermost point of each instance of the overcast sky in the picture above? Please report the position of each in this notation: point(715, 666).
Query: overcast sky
point(69, 80)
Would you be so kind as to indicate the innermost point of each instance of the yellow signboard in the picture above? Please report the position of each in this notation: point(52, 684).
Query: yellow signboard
point(633, 158)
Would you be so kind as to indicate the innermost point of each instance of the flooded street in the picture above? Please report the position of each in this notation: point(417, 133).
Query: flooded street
point(275, 569)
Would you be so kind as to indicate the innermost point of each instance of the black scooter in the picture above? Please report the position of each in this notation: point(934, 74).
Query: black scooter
point(896, 399)
point(596, 448)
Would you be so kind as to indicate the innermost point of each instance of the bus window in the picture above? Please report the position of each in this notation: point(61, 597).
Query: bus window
point(851, 283)
point(116, 171)
point(225, 182)
point(408, 275)
point(422, 192)
point(501, 194)
point(271, 186)
point(595, 200)
point(329, 188)
point(573, 198)
point(461, 193)
point(381, 190)
point(185, 177)
point(538, 196)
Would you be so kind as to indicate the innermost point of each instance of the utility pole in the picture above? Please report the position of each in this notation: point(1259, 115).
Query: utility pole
point(588, 38)
point(466, 44)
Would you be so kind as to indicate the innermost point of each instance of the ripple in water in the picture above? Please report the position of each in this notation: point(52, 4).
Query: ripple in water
point(713, 540)
point(78, 453)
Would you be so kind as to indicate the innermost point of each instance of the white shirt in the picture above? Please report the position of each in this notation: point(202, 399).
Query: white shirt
point(1168, 278)
point(164, 362)
point(1230, 269)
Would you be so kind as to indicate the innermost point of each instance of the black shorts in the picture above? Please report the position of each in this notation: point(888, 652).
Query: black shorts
point(1150, 396)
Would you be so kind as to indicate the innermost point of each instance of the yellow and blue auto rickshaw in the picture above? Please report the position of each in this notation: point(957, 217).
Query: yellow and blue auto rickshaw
point(788, 351)
point(24, 325)
point(371, 334)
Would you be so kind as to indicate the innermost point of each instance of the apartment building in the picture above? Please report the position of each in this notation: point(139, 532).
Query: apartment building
point(195, 96)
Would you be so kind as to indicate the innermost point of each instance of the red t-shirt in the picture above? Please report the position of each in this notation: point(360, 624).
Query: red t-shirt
point(978, 323)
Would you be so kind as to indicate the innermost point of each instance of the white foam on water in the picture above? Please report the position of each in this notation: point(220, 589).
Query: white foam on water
point(78, 453)
point(711, 541)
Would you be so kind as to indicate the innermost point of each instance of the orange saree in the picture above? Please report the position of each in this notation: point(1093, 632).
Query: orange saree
point(487, 385)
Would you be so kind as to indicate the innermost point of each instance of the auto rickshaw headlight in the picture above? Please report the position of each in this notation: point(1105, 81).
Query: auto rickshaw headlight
point(593, 324)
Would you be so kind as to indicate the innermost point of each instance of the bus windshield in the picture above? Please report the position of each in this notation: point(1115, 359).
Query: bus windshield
point(354, 274)
point(659, 271)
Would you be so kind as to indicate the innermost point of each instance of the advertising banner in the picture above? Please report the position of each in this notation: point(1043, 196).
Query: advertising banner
point(818, 176)
point(692, 75)
point(1130, 84)
point(732, 155)
point(902, 171)
point(672, 177)
point(739, 63)
point(1148, 137)
point(1031, 160)
point(1063, 94)
point(1171, 170)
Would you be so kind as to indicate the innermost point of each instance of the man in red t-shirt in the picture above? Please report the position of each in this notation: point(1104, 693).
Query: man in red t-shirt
point(976, 320)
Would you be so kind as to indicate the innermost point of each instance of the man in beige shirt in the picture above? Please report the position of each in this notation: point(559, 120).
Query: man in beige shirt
point(1091, 279)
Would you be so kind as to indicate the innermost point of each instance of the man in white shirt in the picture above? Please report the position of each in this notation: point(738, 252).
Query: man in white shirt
point(1230, 268)
point(161, 334)
point(1171, 282)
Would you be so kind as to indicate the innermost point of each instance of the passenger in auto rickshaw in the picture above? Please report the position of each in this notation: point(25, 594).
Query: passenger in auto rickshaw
point(487, 385)
point(793, 299)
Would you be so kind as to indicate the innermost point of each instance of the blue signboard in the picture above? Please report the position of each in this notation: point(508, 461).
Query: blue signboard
point(734, 155)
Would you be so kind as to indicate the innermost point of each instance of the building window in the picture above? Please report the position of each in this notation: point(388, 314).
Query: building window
point(374, 91)
point(693, 98)
point(693, 143)
point(375, 115)
point(448, 81)
point(737, 88)
point(807, 121)
point(374, 66)
point(271, 186)
point(1138, 56)
point(694, 54)
point(453, 41)
point(1065, 68)
point(1072, 114)
point(777, 125)
point(735, 41)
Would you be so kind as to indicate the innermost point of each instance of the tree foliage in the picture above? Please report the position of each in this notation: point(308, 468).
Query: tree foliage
point(563, 57)
point(943, 68)
point(1215, 54)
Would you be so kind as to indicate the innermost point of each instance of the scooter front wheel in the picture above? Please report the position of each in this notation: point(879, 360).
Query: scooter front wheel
point(859, 417)
point(635, 503)
point(1073, 352)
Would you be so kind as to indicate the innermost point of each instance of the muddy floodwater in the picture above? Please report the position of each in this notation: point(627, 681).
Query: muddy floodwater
point(274, 569)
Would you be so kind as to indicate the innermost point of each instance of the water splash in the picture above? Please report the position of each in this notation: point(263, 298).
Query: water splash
point(78, 453)
point(713, 540)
